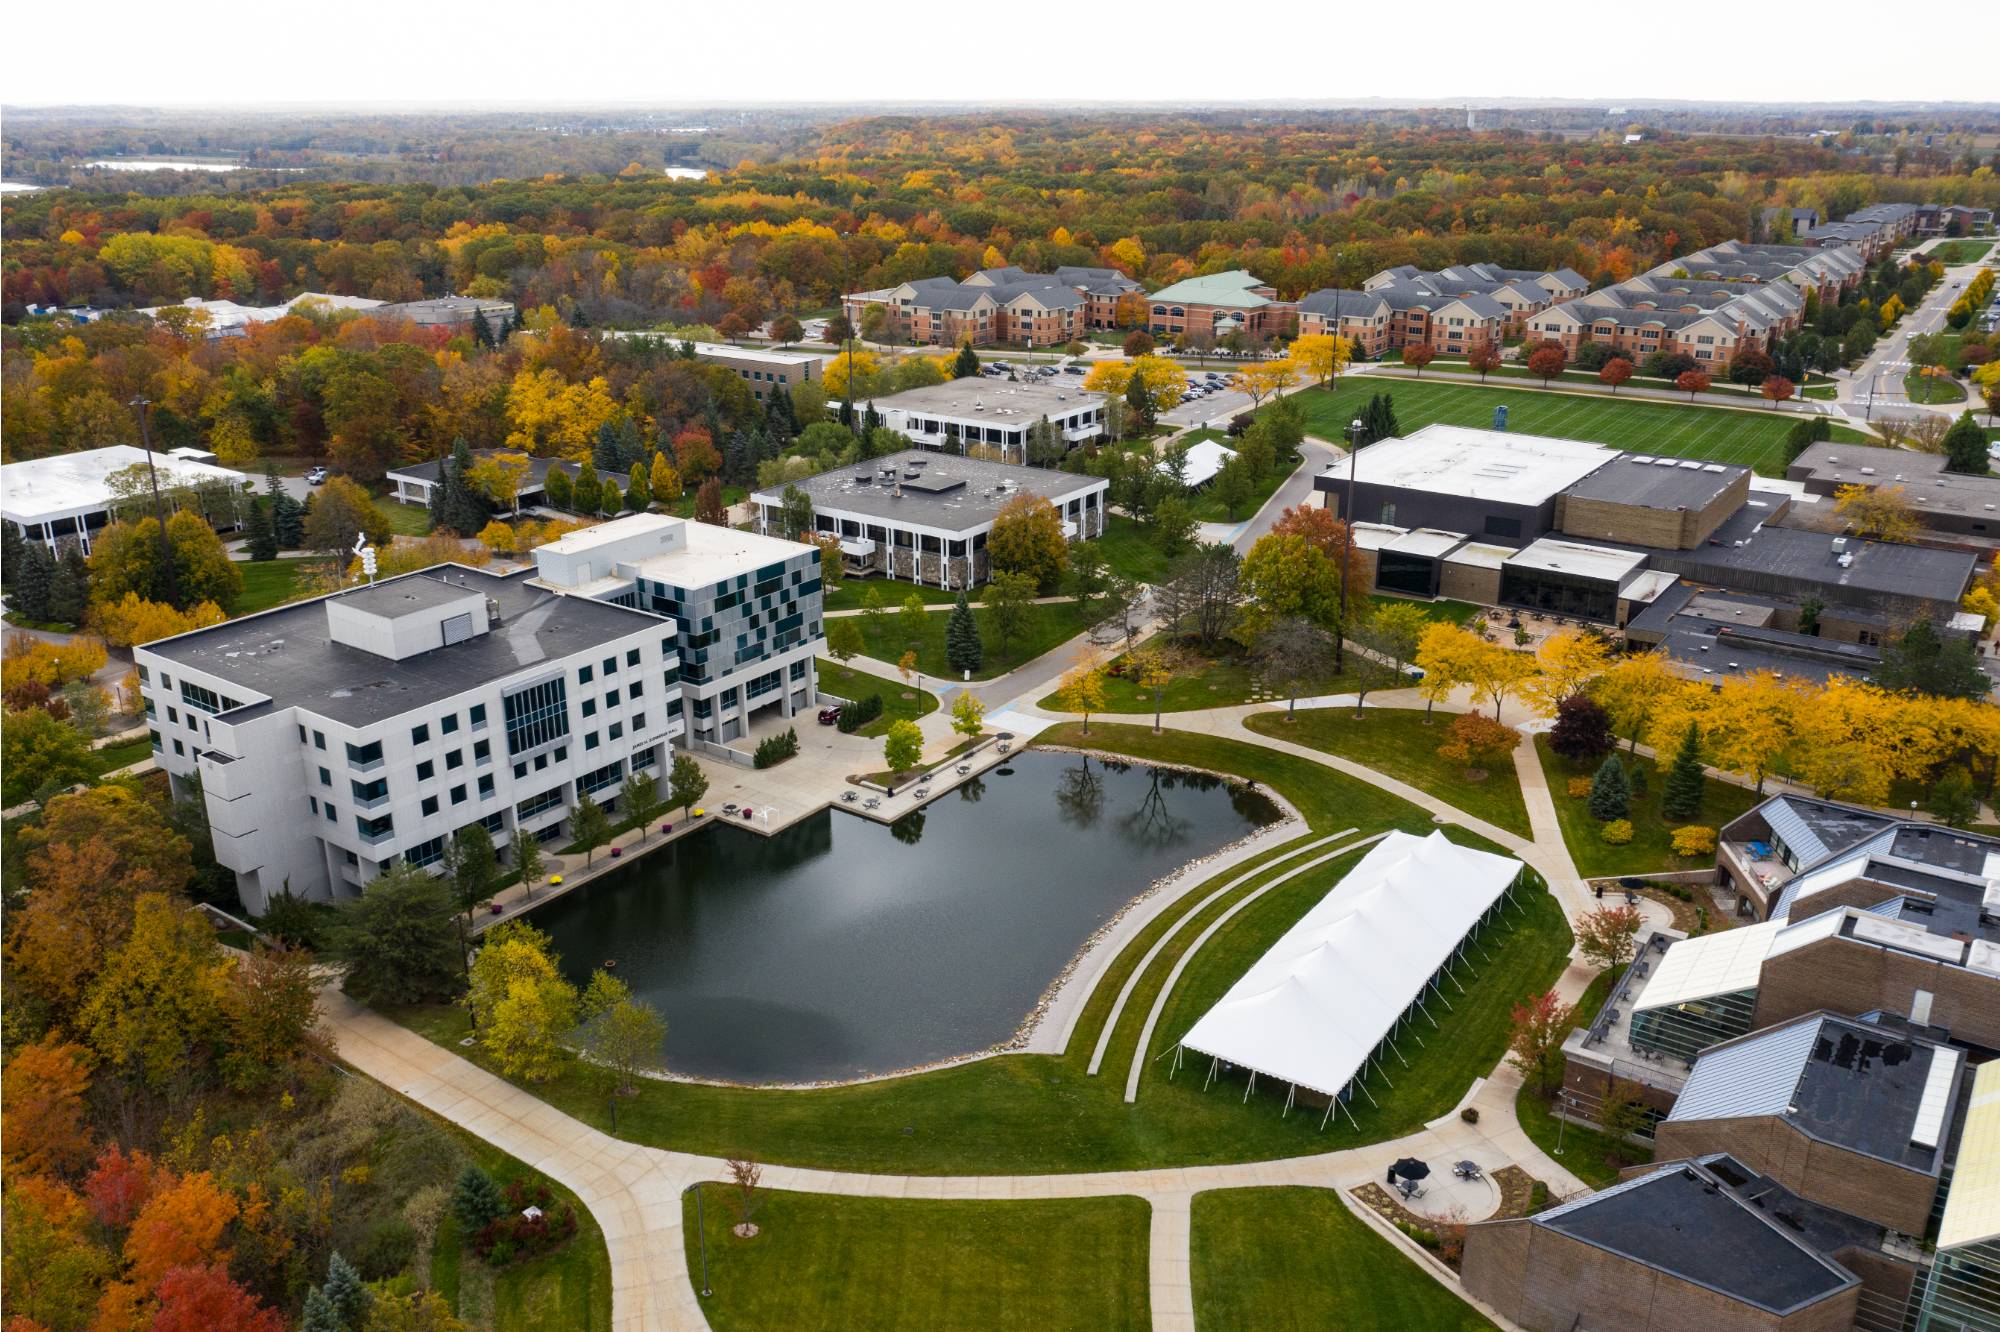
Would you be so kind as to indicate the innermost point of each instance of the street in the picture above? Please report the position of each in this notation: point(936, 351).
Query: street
point(1875, 387)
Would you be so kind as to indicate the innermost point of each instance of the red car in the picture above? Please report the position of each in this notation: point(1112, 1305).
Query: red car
point(829, 716)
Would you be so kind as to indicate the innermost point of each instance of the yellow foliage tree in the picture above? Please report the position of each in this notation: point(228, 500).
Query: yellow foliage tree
point(37, 661)
point(1082, 689)
point(1267, 378)
point(1634, 689)
point(1165, 381)
point(1882, 512)
point(497, 537)
point(1322, 355)
point(552, 418)
point(663, 481)
point(1752, 723)
point(1444, 655)
point(1568, 661)
point(498, 476)
point(862, 368)
point(525, 1007)
point(133, 620)
point(1852, 753)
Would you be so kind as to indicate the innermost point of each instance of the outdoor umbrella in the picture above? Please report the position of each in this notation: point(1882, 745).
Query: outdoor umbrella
point(1410, 1168)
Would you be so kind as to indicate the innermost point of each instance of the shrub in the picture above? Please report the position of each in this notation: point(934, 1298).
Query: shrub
point(859, 713)
point(1470, 1114)
point(1694, 840)
point(1579, 788)
point(513, 1238)
point(388, 1250)
point(775, 749)
point(1617, 832)
point(1610, 793)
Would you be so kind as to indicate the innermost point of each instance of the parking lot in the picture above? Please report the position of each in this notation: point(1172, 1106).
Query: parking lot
point(1211, 408)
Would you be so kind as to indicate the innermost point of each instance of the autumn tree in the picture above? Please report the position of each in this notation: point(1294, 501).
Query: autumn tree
point(524, 1007)
point(131, 620)
point(1565, 664)
point(340, 512)
point(1777, 388)
point(902, 746)
point(1322, 356)
point(1692, 382)
point(1266, 379)
point(1582, 733)
point(204, 1299)
point(1027, 539)
point(126, 558)
point(1547, 361)
point(1287, 576)
point(1486, 358)
point(1608, 936)
point(157, 1007)
point(40, 756)
point(184, 1224)
point(1632, 691)
point(44, 1128)
point(1417, 355)
point(1614, 372)
point(1881, 512)
point(1081, 689)
point(1537, 1028)
point(1476, 742)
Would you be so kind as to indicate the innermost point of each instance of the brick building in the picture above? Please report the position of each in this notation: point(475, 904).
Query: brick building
point(997, 305)
point(1710, 322)
point(1216, 305)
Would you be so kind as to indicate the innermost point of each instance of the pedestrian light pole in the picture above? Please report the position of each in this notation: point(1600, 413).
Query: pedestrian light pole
point(1354, 430)
point(159, 513)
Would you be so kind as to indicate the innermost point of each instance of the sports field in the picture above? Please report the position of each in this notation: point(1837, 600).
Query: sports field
point(1679, 430)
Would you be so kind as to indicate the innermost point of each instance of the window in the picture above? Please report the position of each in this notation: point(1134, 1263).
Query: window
point(611, 665)
point(449, 724)
point(636, 688)
point(541, 762)
point(589, 741)
point(520, 771)
point(197, 697)
point(611, 700)
point(541, 804)
point(157, 742)
point(319, 741)
point(458, 795)
point(536, 715)
point(638, 722)
point(173, 713)
point(427, 852)
point(374, 830)
point(478, 715)
point(486, 786)
point(325, 777)
point(645, 758)
point(365, 756)
point(632, 657)
point(420, 734)
point(597, 780)
point(590, 707)
point(617, 730)
point(329, 812)
point(455, 759)
point(482, 751)
point(583, 675)
point(314, 802)
point(302, 730)
point(370, 792)
point(562, 752)
point(430, 806)
point(426, 770)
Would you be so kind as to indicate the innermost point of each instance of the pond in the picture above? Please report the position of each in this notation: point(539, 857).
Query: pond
point(842, 947)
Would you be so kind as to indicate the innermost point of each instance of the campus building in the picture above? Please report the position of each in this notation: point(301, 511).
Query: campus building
point(1807, 267)
point(924, 517)
point(335, 737)
point(764, 369)
point(1944, 501)
point(1709, 322)
point(227, 319)
point(1215, 305)
point(412, 484)
point(65, 499)
point(992, 414)
point(453, 312)
point(998, 305)
point(746, 609)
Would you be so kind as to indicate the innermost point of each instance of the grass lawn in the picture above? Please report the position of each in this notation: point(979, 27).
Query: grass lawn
point(1038, 1113)
point(1217, 677)
point(1443, 608)
point(1651, 848)
point(1953, 252)
point(1207, 507)
point(1291, 1259)
point(1681, 430)
point(1396, 741)
point(849, 683)
point(853, 591)
point(1592, 1156)
point(1933, 388)
point(1130, 550)
point(112, 757)
point(1049, 626)
point(684, 506)
point(824, 1261)
point(268, 583)
point(406, 519)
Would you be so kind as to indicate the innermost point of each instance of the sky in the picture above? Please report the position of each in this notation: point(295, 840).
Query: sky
point(766, 52)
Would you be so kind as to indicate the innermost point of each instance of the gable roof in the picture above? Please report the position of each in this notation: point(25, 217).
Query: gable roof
point(1232, 288)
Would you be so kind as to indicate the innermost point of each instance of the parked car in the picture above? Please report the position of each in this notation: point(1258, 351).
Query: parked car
point(316, 477)
point(1072, 369)
point(829, 716)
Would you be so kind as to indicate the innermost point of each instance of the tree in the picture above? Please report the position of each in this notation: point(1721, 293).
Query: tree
point(44, 1128)
point(1173, 525)
point(1547, 361)
point(1633, 689)
point(1486, 357)
point(622, 1033)
point(1089, 575)
point(1286, 576)
point(663, 483)
point(156, 1008)
point(1882, 512)
point(962, 648)
point(1692, 382)
point(639, 499)
point(476, 1201)
point(497, 537)
point(1566, 663)
point(182, 1225)
point(523, 1005)
point(1965, 447)
point(844, 641)
point(795, 514)
point(1323, 356)
point(261, 537)
point(202, 1299)
point(1417, 355)
point(1681, 798)
point(1614, 372)
point(1475, 742)
point(525, 850)
point(399, 939)
point(1081, 689)
point(686, 784)
point(1778, 389)
point(589, 827)
point(1750, 366)
point(968, 715)
point(785, 330)
point(1610, 791)
point(1925, 663)
point(1138, 343)
point(708, 504)
point(41, 756)
point(1233, 487)
point(913, 620)
point(31, 578)
point(1266, 379)
point(902, 747)
point(1953, 803)
point(1608, 936)
point(586, 492)
point(1027, 538)
point(89, 708)
point(1537, 1029)
point(640, 795)
point(966, 363)
point(345, 1292)
point(745, 1193)
point(1582, 733)
point(125, 557)
point(1009, 601)
point(271, 1013)
point(340, 512)
point(558, 491)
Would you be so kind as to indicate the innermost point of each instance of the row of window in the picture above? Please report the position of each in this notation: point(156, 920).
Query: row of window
point(420, 734)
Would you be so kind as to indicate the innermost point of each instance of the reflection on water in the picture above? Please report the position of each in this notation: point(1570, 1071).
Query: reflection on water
point(841, 946)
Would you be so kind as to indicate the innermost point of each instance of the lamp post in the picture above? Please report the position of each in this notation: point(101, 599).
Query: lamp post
point(1354, 429)
point(159, 513)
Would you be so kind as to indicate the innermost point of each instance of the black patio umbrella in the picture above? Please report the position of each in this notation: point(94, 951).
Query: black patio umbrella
point(1410, 1168)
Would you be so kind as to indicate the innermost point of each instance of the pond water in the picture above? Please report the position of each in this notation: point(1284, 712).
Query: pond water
point(842, 947)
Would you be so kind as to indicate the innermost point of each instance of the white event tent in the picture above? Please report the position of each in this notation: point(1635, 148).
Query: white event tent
point(1314, 1009)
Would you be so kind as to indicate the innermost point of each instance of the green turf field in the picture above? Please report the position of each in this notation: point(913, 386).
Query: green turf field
point(1680, 430)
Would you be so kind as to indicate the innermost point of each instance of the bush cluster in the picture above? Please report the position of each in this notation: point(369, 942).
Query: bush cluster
point(513, 1238)
point(859, 713)
point(1579, 788)
point(1617, 832)
point(775, 749)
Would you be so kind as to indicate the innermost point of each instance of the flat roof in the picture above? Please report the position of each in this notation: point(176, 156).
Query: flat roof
point(1555, 555)
point(1651, 482)
point(63, 484)
point(715, 553)
point(405, 596)
point(1493, 465)
point(938, 490)
point(1479, 555)
point(770, 354)
point(1925, 482)
point(1808, 558)
point(1687, 1219)
point(287, 656)
point(991, 401)
point(1972, 1209)
point(1708, 965)
point(536, 476)
point(1426, 541)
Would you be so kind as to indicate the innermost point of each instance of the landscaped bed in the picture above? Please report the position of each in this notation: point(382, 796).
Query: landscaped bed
point(848, 683)
point(1651, 849)
point(1049, 626)
point(826, 1261)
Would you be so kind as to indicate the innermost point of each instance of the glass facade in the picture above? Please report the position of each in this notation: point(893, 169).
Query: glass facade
point(741, 619)
point(536, 715)
point(1560, 593)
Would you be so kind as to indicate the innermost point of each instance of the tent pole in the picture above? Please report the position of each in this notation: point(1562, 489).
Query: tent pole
point(1288, 1100)
point(1369, 1094)
point(1250, 1088)
point(1211, 1075)
point(1454, 980)
point(1399, 1054)
point(1440, 993)
point(1329, 1113)
point(1350, 1117)
point(1178, 1051)
point(1422, 1008)
point(1379, 1067)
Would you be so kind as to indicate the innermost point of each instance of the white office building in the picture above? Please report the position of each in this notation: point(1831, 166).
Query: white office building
point(66, 498)
point(995, 412)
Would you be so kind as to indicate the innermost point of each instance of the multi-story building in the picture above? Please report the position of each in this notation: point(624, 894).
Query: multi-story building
point(1807, 267)
point(1957, 503)
point(1710, 322)
point(66, 498)
point(1215, 305)
point(746, 609)
point(764, 369)
point(1519, 291)
point(334, 737)
point(925, 516)
point(992, 414)
point(998, 305)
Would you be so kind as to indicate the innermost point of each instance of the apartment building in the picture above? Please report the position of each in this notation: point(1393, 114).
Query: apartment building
point(1710, 322)
point(1391, 318)
point(746, 609)
point(764, 369)
point(1519, 291)
point(337, 736)
point(998, 305)
point(1216, 305)
point(1807, 267)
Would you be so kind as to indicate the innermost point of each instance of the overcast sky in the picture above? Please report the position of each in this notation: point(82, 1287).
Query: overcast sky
point(1437, 52)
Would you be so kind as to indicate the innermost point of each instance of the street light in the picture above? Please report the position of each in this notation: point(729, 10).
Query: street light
point(1354, 432)
point(159, 513)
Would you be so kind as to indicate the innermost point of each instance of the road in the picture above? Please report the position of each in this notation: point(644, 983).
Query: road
point(1876, 385)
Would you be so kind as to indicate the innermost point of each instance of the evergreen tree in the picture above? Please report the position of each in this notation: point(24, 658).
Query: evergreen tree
point(32, 582)
point(556, 489)
point(12, 549)
point(288, 521)
point(739, 459)
point(69, 588)
point(967, 363)
point(585, 492)
point(476, 1200)
point(847, 413)
point(482, 333)
point(1139, 402)
point(1681, 799)
point(1610, 793)
point(319, 1314)
point(463, 510)
point(1920, 662)
point(871, 420)
point(962, 646)
point(631, 444)
point(343, 1290)
point(637, 497)
point(1965, 446)
point(604, 450)
point(262, 538)
point(610, 498)
point(779, 418)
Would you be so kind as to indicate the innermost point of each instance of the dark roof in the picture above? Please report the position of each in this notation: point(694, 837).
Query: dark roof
point(1861, 1088)
point(1658, 483)
point(1719, 1225)
point(286, 653)
point(538, 468)
point(940, 490)
point(1809, 558)
point(1721, 651)
point(1347, 303)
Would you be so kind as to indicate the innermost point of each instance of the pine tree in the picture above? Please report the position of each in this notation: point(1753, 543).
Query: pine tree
point(1682, 797)
point(12, 549)
point(1965, 446)
point(967, 363)
point(604, 449)
point(464, 509)
point(288, 521)
point(32, 582)
point(262, 537)
point(556, 490)
point(871, 420)
point(631, 445)
point(962, 646)
point(609, 498)
point(476, 1200)
point(344, 1291)
point(1610, 793)
point(637, 497)
point(779, 417)
point(585, 492)
point(319, 1314)
point(69, 588)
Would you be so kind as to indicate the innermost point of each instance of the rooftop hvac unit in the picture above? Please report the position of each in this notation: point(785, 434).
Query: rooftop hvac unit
point(1839, 544)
